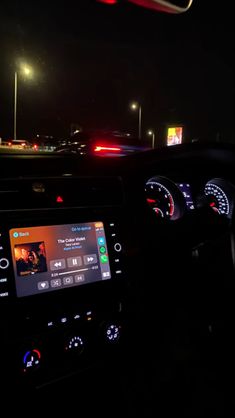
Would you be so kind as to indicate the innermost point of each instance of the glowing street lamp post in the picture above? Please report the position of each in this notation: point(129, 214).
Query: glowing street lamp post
point(137, 106)
point(26, 71)
point(152, 134)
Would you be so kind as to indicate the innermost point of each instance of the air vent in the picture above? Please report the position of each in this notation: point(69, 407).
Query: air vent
point(36, 193)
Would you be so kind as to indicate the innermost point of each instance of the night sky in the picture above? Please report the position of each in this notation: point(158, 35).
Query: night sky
point(91, 60)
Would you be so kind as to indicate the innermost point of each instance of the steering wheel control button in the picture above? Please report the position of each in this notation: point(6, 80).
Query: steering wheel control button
point(118, 247)
point(4, 263)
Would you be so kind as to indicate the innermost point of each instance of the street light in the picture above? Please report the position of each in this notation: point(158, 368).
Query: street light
point(26, 71)
point(152, 134)
point(136, 106)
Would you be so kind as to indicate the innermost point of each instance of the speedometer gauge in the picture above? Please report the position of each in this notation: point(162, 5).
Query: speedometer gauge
point(220, 196)
point(165, 198)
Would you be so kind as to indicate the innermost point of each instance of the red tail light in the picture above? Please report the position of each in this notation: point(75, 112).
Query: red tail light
point(108, 1)
point(99, 148)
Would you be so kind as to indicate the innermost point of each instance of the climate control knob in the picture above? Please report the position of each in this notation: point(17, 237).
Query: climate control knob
point(31, 360)
point(112, 333)
point(75, 344)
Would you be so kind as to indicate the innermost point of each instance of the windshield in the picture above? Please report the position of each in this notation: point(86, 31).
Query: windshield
point(121, 76)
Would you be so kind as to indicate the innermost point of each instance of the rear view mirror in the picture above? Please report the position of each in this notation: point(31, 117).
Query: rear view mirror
point(175, 6)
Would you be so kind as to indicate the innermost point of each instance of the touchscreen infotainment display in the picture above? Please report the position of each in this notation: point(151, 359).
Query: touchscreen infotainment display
point(48, 258)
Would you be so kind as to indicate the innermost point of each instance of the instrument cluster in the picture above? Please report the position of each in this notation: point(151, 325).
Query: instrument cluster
point(171, 200)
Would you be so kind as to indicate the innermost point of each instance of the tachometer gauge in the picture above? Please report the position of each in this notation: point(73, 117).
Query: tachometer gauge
point(160, 199)
point(164, 198)
point(220, 195)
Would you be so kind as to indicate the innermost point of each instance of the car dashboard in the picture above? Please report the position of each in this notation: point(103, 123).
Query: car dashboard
point(113, 264)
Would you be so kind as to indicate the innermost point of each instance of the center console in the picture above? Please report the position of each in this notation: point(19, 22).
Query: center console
point(62, 281)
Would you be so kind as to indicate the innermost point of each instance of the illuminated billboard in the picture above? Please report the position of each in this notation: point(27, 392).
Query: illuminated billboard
point(174, 135)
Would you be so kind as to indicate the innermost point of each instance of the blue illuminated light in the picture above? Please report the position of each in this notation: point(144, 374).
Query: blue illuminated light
point(25, 357)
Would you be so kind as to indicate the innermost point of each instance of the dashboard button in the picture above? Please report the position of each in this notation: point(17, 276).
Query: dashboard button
point(4, 263)
point(4, 294)
point(118, 247)
point(64, 320)
point(50, 324)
